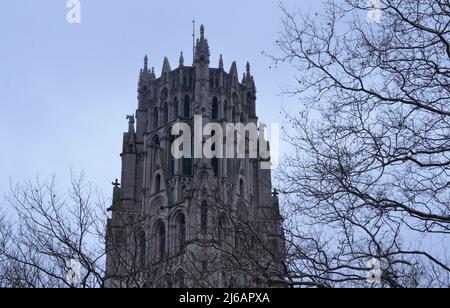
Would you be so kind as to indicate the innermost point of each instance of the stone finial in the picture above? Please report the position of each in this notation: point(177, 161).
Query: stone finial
point(131, 120)
point(221, 62)
point(166, 66)
point(181, 60)
point(233, 70)
point(202, 31)
point(248, 69)
point(202, 48)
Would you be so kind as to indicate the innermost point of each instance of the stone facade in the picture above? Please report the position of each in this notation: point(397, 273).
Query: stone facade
point(192, 222)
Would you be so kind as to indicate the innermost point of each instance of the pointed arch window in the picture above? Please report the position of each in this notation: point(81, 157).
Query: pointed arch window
point(175, 108)
point(155, 146)
point(157, 183)
point(165, 113)
point(155, 117)
point(215, 109)
point(181, 233)
point(215, 166)
point(225, 111)
point(241, 188)
point(161, 241)
point(187, 166)
point(171, 159)
point(142, 244)
point(187, 107)
point(234, 114)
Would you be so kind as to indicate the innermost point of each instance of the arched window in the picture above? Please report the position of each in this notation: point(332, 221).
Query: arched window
point(187, 166)
point(226, 110)
point(221, 231)
point(179, 279)
point(142, 247)
point(175, 108)
point(215, 166)
point(181, 233)
point(204, 218)
point(155, 117)
point(155, 146)
point(161, 241)
point(249, 103)
point(235, 99)
point(164, 94)
point(155, 142)
point(157, 183)
point(215, 109)
point(165, 113)
point(234, 114)
point(241, 188)
point(187, 107)
point(171, 159)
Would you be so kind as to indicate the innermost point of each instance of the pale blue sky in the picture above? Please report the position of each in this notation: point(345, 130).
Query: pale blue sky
point(65, 89)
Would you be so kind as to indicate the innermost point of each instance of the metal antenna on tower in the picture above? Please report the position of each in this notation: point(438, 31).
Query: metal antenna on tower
point(193, 41)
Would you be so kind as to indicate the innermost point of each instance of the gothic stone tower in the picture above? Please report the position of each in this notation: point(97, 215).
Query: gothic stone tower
point(192, 222)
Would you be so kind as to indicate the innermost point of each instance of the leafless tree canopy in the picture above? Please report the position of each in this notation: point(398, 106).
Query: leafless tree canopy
point(370, 174)
point(45, 230)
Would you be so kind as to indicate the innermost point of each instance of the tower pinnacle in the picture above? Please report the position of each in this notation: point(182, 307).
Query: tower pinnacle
point(202, 32)
point(221, 62)
point(202, 49)
point(181, 59)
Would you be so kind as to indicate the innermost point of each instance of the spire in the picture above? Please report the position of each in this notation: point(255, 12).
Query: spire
point(202, 49)
point(221, 62)
point(145, 75)
point(166, 66)
point(233, 70)
point(202, 32)
point(146, 63)
point(181, 60)
point(248, 69)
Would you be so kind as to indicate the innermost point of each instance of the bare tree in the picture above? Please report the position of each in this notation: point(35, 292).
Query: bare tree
point(369, 180)
point(47, 231)
point(44, 230)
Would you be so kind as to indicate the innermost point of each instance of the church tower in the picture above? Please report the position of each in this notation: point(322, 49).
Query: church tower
point(193, 221)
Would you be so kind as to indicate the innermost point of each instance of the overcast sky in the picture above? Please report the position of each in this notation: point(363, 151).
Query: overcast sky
point(65, 89)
